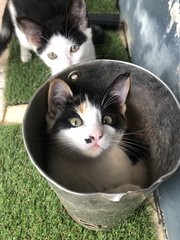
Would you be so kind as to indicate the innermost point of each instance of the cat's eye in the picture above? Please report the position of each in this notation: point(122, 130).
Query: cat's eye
point(75, 122)
point(52, 55)
point(107, 120)
point(74, 48)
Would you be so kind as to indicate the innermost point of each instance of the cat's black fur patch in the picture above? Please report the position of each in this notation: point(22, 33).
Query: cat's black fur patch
point(135, 148)
point(7, 24)
point(65, 28)
point(54, 19)
point(53, 16)
point(50, 9)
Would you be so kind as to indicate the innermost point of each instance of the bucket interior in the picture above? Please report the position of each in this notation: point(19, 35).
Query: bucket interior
point(152, 113)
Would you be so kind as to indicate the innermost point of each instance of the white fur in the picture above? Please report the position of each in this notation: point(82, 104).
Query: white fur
point(110, 172)
point(75, 137)
point(61, 46)
point(57, 44)
point(106, 168)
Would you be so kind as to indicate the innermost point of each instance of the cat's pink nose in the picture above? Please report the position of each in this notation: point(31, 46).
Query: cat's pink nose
point(96, 137)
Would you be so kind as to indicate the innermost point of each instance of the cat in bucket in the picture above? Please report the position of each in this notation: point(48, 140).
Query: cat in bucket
point(57, 31)
point(85, 132)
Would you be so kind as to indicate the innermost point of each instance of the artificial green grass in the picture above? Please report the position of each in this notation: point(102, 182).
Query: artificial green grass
point(102, 6)
point(112, 47)
point(29, 209)
point(22, 79)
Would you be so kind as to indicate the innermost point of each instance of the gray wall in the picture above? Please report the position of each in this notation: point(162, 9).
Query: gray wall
point(153, 34)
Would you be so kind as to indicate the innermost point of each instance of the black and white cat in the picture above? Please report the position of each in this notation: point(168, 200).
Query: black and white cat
point(86, 130)
point(56, 30)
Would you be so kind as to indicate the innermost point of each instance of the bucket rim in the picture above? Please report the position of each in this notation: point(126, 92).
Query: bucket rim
point(117, 196)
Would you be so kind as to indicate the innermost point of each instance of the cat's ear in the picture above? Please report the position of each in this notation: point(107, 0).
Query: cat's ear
point(31, 29)
point(78, 14)
point(120, 89)
point(58, 93)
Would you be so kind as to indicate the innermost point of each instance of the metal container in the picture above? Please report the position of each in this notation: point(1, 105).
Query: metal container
point(152, 107)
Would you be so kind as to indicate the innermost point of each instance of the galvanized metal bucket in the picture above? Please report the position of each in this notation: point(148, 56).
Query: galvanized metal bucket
point(151, 107)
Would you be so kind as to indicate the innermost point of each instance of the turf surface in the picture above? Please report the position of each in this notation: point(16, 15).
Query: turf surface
point(102, 6)
point(29, 209)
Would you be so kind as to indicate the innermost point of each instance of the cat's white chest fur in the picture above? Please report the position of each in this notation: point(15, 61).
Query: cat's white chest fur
point(111, 172)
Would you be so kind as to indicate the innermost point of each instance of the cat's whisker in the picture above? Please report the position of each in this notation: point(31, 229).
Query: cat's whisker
point(132, 153)
point(132, 149)
point(125, 150)
point(133, 140)
point(47, 40)
point(65, 145)
point(111, 100)
point(69, 35)
point(63, 148)
point(128, 146)
point(66, 23)
point(108, 102)
point(119, 147)
point(143, 152)
point(138, 132)
point(135, 144)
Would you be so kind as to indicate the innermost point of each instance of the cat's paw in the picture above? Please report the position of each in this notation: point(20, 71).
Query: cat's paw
point(26, 57)
point(123, 188)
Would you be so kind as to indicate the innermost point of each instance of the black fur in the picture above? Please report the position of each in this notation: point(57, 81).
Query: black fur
point(6, 24)
point(135, 148)
point(53, 16)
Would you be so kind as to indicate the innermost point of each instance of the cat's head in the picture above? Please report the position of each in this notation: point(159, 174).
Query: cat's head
point(63, 40)
point(85, 122)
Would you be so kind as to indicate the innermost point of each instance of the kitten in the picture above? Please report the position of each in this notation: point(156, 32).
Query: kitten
point(57, 31)
point(86, 131)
